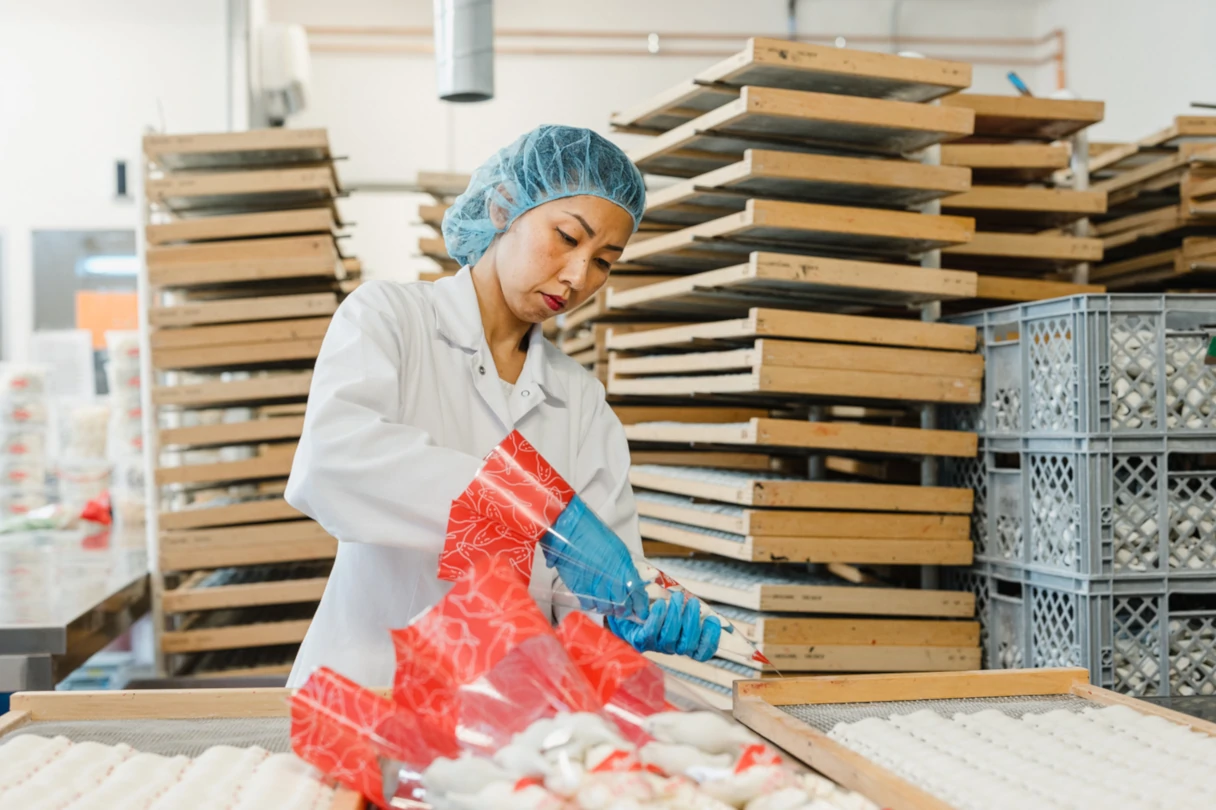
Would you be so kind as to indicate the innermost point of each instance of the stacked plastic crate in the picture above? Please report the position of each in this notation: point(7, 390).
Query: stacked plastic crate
point(24, 445)
point(242, 274)
point(781, 423)
point(125, 442)
point(1095, 509)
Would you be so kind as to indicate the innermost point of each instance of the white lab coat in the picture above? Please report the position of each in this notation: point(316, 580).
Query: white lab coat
point(405, 402)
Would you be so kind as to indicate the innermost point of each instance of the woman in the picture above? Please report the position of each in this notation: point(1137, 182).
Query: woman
point(415, 383)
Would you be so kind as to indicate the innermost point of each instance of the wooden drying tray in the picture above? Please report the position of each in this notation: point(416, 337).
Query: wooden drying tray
point(596, 307)
point(233, 345)
point(442, 185)
point(1020, 290)
point(802, 644)
point(1026, 117)
point(427, 276)
point(259, 147)
point(254, 544)
point(1193, 264)
point(836, 548)
point(807, 177)
point(801, 228)
point(757, 705)
point(842, 437)
point(241, 310)
point(244, 191)
point(235, 514)
point(158, 704)
point(766, 62)
point(788, 281)
point(802, 121)
point(1022, 253)
point(251, 431)
point(264, 670)
point(293, 385)
point(273, 461)
point(998, 206)
point(817, 326)
point(235, 637)
point(433, 214)
point(433, 247)
point(1007, 163)
point(1184, 127)
point(188, 597)
point(244, 226)
point(863, 600)
point(779, 369)
point(244, 260)
point(1156, 175)
point(755, 462)
point(592, 343)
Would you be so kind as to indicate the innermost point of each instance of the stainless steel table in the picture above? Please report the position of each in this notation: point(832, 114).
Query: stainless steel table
point(63, 598)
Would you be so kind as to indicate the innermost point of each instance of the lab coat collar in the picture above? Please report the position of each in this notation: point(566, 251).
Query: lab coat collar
point(459, 321)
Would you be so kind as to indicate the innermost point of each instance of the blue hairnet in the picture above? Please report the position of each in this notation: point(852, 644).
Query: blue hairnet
point(548, 163)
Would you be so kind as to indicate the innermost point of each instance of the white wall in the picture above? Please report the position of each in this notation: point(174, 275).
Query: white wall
point(80, 81)
point(1147, 59)
point(382, 111)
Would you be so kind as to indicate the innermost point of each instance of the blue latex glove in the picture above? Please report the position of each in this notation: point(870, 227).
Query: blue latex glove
point(674, 627)
point(594, 563)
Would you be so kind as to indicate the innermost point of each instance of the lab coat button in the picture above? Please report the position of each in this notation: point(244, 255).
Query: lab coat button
point(481, 370)
point(525, 393)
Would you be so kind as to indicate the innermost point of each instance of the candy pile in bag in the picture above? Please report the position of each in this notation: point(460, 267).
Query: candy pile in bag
point(493, 708)
point(514, 500)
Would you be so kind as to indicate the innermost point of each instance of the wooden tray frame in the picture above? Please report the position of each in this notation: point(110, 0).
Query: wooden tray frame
point(433, 214)
point(799, 228)
point(795, 176)
point(1024, 251)
point(442, 185)
point(756, 706)
point(152, 704)
point(187, 597)
point(839, 549)
point(274, 146)
point(788, 659)
point(838, 599)
point(786, 281)
point(252, 544)
point(862, 497)
point(244, 226)
point(1039, 207)
point(596, 307)
point(1018, 290)
point(238, 514)
point(235, 637)
point(241, 310)
point(244, 191)
point(805, 435)
point(1026, 117)
point(800, 120)
point(1184, 126)
point(257, 390)
point(1007, 163)
point(230, 433)
point(273, 461)
point(244, 260)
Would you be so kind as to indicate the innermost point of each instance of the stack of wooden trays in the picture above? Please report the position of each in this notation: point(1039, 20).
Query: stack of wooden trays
point(243, 271)
point(1160, 230)
point(775, 394)
point(1031, 238)
point(444, 187)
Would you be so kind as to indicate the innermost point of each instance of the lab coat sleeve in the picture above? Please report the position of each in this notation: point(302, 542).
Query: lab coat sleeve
point(602, 472)
point(359, 471)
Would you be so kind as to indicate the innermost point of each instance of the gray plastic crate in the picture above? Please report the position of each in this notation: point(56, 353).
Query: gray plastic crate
point(1121, 364)
point(1140, 637)
point(1121, 507)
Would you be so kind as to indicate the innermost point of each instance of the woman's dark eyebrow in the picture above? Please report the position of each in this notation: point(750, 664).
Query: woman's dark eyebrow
point(590, 231)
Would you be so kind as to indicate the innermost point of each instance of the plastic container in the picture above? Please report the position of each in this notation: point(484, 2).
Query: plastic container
point(1141, 637)
point(1121, 507)
point(1127, 364)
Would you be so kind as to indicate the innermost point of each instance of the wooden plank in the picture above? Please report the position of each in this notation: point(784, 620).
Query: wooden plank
point(243, 190)
point(1022, 207)
point(996, 288)
point(799, 227)
point(702, 458)
point(259, 511)
point(1026, 249)
point(773, 629)
point(1143, 174)
point(187, 550)
point(795, 118)
point(236, 334)
point(258, 389)
point(1109, 698)
point(800, 523)
point(903, 551)
point(274, 462)
point(247, 432)
point(786, 281)
point(807, 177)
point(745, 490)
point(674, 106)
point(442, 184)
point(635, 414)
point(154, 704)
point(1001, 162)
point(276, 145)
point(236, 355)
point(1027, 117)
point(249, 260)
point(777, 324)
point(282, 592)
point(235, 310)
point(433, 214)
point(242, 226)
point(827, 657)
point(234, 638)
point(13, 720)
point(839, 436)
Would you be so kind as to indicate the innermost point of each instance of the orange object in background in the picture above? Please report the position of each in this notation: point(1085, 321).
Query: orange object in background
point(100, 312)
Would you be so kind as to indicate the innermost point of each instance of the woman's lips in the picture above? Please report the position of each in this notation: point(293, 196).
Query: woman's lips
point(556, 304)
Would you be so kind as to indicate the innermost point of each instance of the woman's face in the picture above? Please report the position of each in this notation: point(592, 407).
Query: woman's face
point(555, 256)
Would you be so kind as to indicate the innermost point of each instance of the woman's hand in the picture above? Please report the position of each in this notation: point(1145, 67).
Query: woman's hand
point(674, 627)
